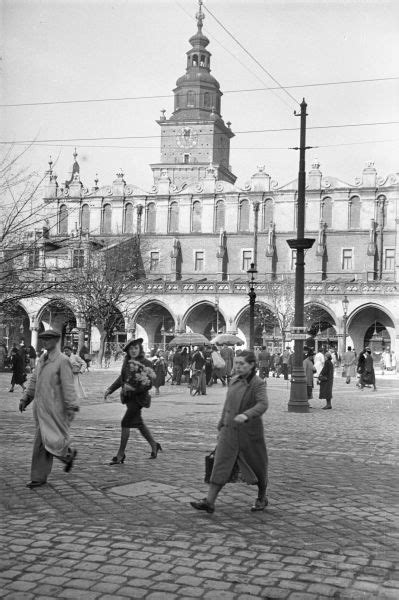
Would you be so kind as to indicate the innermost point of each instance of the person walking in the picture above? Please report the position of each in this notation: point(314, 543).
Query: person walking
point(367, 376)
point(218, 366)
point(310, 370)
point(52, 388)
point(319, 362)
point(241, 436)
point(136, 379)
point(326, 381)
point(264, 359)
point(31, 353)
point(18, 369)
point(84, 354)
point(349, 364)
point(227, 354)
point(198, 364)
point(285, 361)
point(160, 369)
point(177, 362)
point(78, 367)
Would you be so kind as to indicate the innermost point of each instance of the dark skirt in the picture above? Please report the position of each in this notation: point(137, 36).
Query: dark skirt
point(132, 417)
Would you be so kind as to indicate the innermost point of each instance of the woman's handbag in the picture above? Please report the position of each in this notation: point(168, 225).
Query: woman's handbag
point(209, 460)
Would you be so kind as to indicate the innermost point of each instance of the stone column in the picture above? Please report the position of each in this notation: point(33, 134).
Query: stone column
point(34, 327)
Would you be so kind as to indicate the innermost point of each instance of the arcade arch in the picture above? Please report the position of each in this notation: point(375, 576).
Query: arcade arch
point(371, 325)
point(321, 327)
point(155, 324)
point(267, 331)
point(14, 326)
point(205, 317)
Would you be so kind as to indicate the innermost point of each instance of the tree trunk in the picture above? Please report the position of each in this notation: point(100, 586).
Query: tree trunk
point(103, 339)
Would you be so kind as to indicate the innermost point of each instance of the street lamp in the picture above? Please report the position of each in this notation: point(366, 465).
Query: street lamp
point(163, 334)
point(252, 298)
point(345, 304)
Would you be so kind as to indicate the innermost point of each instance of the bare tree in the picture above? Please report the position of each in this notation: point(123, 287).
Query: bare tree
point(281, 296)
point(102, 285)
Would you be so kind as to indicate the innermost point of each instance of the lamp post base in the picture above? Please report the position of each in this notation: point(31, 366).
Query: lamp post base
point(298, 401)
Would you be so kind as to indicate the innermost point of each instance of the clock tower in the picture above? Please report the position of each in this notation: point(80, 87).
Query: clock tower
point(195, 135)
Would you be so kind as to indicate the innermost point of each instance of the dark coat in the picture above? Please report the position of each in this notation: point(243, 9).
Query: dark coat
point(326, 386)
point(18, 369)
point(244, 442)
point(160, 368)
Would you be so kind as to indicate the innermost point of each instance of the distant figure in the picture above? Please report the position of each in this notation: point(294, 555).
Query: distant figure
point(227, 354)
point(310, 370)
point(177, 362)
point(107, 357)
point(198, 364)
point(349, 364)
point(264, 359)
point(326, 381)
point(78, 367)
point(31, 353)
point(284, 361)
point(218, 366)
point(160, 367)
point(18, 369)
point(84, 354)
point(367, 376)
point(319, 362)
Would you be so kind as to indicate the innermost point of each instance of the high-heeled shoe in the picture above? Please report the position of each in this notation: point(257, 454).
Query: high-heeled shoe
point(117, 461)
point(158, 448)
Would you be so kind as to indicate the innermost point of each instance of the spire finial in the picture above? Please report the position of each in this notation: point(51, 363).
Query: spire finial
point(50, 164)
point(75, 154)
point(200, 15)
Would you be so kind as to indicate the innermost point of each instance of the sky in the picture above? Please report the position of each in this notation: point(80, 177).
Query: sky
point(56, 50)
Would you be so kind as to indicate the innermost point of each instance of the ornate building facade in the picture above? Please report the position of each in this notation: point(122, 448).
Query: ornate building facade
point(201, 232)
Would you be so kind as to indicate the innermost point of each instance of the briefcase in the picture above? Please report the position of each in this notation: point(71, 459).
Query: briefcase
point(209, 460)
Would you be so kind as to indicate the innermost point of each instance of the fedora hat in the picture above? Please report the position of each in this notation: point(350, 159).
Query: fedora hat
point(49, 333)
point(135, 342)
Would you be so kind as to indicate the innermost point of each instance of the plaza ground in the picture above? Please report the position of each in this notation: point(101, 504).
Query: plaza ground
point(128, 531)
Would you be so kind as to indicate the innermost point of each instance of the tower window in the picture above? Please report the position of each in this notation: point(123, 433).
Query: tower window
point(203, 60)
point(220, 215)
point(186, 159)
point(195, 60)
point(63, 219)
point(85, 218)
point(243, 223)
point(128, 224)
point(196, 216)
point(190, 99)
point(174, 217)
point(199, 260)
point(151, 217)
point(354, 213)
point(107, 219)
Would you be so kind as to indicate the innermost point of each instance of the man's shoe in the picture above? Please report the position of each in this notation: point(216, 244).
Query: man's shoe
point(259, 505)
point(203, 505)
point(35, 484)
point(70, 460)
point(326, 407)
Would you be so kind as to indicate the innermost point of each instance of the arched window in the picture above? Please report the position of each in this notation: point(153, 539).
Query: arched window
point(219, 215)
point(128, 222)
point(354, 213)
point(207, 99)
point(326, 211)
point(196, 216)
point(381, 211)
point(267, 213)
point(195, 60)
point(190, 99)
point(151, 217)
point(243, 221)
point(203, 60)
point(174, 217)
point(63, 219)
point(107, 219)
point(85, 218)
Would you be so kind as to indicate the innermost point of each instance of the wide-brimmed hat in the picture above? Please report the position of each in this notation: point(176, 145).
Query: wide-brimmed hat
point(49, 333)
point(135, 342)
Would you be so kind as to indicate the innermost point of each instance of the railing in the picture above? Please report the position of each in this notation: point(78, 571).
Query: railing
point(241, 287)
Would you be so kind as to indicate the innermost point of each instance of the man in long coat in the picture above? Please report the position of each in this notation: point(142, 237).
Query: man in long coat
point(228, 356)
point(52, 388)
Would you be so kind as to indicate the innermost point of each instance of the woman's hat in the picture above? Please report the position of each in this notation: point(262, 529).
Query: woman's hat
point(49, 333)
point(132, 343)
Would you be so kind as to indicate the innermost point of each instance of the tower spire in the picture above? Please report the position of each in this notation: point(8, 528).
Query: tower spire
point(200, 16)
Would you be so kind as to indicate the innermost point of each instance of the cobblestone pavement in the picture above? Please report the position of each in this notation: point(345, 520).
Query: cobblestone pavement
point(329, 530)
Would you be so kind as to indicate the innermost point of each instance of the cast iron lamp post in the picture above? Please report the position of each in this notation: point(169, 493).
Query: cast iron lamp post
point(163, 334)
point(252, 298)
point(345, 304)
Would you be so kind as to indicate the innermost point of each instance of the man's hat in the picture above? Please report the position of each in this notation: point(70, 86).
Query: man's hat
point(49, 333)
point(133, 343)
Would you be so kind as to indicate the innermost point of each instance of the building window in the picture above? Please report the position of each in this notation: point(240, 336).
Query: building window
point(203, 60)
point(186, 159)
point(33, 259)
point(154, 261)
point(381, 211)
point(219, 215)
point(389, 259)
point(246, 260)
point(326, 211)
point(267, 214)
point(151, 217)
point(243, 222)
point(354, 213)
point(195, 60)
point(293, 259)
point(78, 258)
point(196, 216)
point(128, 224)
point(174, 217)
point(347, 259)
point(107, 219)
point(63, 219)
point(85, 218)
point(199, 261)
point(190, 99)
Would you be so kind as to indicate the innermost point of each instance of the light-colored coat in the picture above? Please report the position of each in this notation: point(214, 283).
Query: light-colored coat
point(310, 370)
point(244, 442)
point(349, 363)
point(53, 390)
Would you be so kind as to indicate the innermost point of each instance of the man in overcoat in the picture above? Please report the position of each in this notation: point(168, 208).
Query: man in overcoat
point(52, 388)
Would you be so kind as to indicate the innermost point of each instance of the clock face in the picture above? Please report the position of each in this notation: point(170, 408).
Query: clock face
point(187, 138)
